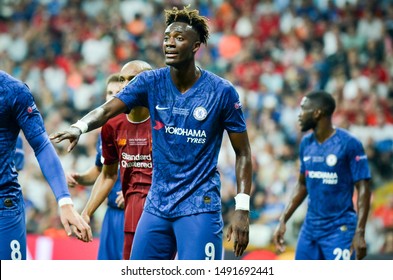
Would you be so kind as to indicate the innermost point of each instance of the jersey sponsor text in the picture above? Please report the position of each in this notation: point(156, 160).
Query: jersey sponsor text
point(195, 136)
point(329, 178)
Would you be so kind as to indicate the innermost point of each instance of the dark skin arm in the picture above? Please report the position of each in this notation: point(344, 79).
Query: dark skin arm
point(86, 178)
point(363, 205)
point(94, 119)
point(101, 189)
point(298, 196)
point(239, 226)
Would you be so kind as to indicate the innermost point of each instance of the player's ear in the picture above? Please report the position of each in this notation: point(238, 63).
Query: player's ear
point(197, 45)
point(318, 113)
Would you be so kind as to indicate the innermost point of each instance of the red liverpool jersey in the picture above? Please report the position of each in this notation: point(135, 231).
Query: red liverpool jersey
point(130, 144)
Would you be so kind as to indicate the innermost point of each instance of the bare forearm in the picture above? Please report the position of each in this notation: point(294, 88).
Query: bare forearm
point(363, 204)
point(99, 116)
point(96, 118)
point(243, 165)
point(244, 173)
point(297, 198)
point(88, 177)
point(100, 191)
point(86, 180)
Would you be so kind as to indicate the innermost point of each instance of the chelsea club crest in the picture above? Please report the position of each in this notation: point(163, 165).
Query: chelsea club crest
point(200, 113)
point(331, 160)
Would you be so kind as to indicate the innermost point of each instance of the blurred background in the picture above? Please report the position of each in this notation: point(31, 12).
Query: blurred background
point(274, 52)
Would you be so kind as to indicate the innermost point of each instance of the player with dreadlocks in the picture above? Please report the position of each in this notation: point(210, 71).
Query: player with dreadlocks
point(190, 109)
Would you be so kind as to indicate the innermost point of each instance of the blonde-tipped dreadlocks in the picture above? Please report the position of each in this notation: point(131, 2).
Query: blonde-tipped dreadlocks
point(191, 17)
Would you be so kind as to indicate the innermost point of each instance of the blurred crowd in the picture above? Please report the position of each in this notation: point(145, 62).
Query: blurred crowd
point(273, 51)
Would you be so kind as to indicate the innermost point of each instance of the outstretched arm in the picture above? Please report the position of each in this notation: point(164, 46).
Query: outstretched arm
point(92, 120)
point(103, 185)
point(239, 226)
point(298, 196)
point(86, 178)
point(52, 170)
point(363, 205)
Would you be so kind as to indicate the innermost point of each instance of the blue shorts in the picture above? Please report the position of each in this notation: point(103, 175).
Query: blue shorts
point(333, 246)
point(112, 235)
point(194, 237)
point(12, 229)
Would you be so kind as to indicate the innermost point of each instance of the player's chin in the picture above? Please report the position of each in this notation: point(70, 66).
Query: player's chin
point(170, 62)
point(303, 128)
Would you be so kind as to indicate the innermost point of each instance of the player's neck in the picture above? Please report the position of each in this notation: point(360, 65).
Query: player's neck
point(138, 114)
point(185, 77)
point(322, 133)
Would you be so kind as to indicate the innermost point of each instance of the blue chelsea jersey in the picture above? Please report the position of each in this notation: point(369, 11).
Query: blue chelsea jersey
point(117, 187)
point(331, 169)
point(187, 132)
point(17, 111)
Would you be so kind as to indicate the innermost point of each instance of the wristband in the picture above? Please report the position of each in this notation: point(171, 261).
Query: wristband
point(242, 202)
point(65, 201)
point(81, 125)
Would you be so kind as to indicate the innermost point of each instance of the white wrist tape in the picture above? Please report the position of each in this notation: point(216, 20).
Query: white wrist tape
point(64, 201)
point(242, 202)
point(81, 125)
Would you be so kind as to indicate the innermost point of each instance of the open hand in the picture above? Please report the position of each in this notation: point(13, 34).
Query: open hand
point(72, 134)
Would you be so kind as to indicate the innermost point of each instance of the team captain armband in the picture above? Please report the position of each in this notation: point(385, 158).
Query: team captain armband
point(242, 202)
point(83, 127)
point(65, 201)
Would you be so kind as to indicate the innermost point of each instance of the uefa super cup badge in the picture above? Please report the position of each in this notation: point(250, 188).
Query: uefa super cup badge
point(200, 113)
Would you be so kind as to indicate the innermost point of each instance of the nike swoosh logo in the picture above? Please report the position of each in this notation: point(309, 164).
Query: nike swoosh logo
point(161, 108)
point(306, 158)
